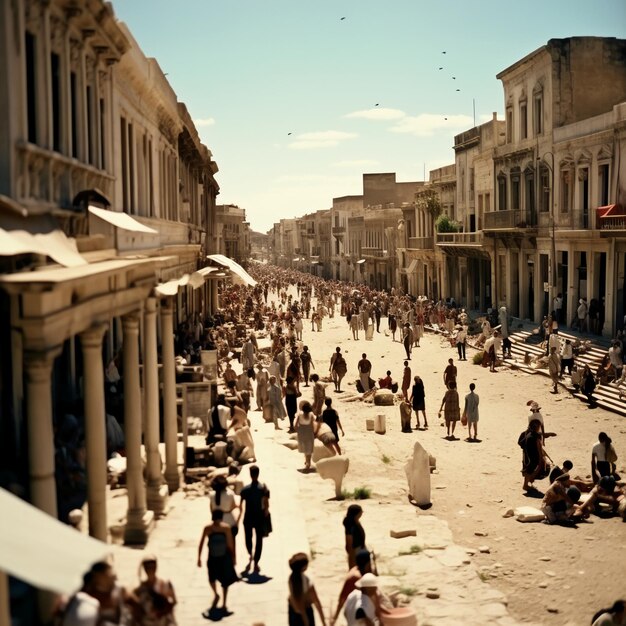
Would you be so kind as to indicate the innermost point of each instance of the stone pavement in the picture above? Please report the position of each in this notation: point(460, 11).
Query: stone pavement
point(175, 542)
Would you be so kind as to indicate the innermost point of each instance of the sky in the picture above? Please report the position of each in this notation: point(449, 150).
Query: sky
point(297, 99)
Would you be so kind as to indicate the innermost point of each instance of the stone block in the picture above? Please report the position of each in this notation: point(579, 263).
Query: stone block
point(369, 423)
point(334, 468)
point(320, 451)
point(400, 534)
point(417, 471)
point(384, 397)
point(380, 424)
point(528, 514)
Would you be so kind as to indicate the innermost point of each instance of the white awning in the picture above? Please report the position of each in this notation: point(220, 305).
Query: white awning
point(121, 220)
point(40, 550)
point(38, 234)
point(195, 280)
point(361, 261)
point(412, 266)
point(239, 274)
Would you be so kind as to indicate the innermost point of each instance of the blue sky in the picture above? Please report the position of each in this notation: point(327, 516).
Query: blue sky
point(251, 72)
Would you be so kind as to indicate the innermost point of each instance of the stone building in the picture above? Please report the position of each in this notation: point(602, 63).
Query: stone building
point(233, 232)
point(107, 211)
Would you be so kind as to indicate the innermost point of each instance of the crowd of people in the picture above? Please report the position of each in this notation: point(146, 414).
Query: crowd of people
point(264, 366)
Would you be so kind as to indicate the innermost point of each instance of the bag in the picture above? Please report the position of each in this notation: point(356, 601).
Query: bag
point(464, 419)
point(267, 525)
point(521, 440)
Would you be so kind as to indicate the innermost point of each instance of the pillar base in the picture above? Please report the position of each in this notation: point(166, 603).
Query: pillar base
point(173, 480)
point(139, 525)
point(157, 499)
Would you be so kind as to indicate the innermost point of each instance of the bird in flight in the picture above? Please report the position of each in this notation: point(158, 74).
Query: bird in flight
point(376, 104)
point(445, 118)
point(443, 52)
point(458, 90)
point(454, 78)
point(343, 18)
point(288, 134)
point(441, 68)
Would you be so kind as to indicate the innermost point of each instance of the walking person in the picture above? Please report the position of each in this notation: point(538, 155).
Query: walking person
point(302, 594)
point(365, 369)
point(291, 400)
point(262, 379)
point(449, 374)
point(221, 559)
point(451, 410)
point(222, 498)
point(304, 424)
point(471, 413)
point(254, 509)
point(354, 533)
point(406, 381)
point(156, 598)
point(554, 368)
point(603, 458)
point(407, 340)
point(418, 401)
point(354, 326)
point(461, 340)
point(275, 401)
point(340, 368)
point(306, 361)
point(319, 395)
point(330, 417)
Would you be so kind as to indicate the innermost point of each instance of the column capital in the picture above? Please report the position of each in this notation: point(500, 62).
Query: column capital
point(130, 322)
point(151, 303)
point(167, 306)
point(92, 337)
point(38, 363)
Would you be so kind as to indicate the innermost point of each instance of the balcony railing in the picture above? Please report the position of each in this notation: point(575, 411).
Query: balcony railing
point(460, 239)
point(421, 243)
point(515, 218)
point(374, 252)
point(339, 230)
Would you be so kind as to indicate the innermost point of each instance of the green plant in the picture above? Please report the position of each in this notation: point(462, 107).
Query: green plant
point(362, 493)
point(477, 359)
point(444, 224)
point(385, 459)
point(428, 200)
point(345, 495)
point(414, 549)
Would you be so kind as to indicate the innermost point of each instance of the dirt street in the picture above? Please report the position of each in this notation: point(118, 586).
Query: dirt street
point(549, 574)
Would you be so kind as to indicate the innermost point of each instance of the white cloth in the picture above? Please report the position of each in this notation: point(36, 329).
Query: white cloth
point(82, 610)
point(554, 341)
point(535, 416)
point(615, 356)
point(600, 451)
point(566, 351)
point(223, 414)
point(355, 601)
point(227, 504)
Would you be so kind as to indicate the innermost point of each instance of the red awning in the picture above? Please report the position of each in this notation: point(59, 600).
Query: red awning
point(611, 210)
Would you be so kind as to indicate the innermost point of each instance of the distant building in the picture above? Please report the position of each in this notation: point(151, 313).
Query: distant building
point(233, 232)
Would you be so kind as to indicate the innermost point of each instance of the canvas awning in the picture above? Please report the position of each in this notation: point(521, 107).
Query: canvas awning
point(121, 220)
point(38, 234)
point(361, 261)
point(411, 267)
point(40, 550)
point(611, 210)
point(194, 280)
point(238, 273)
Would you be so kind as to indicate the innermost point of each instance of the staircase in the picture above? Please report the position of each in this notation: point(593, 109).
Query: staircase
point(607, 396)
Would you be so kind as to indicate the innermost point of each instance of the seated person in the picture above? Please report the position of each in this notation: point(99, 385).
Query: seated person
point(605, 492)
point(559, 500)
point(385, 383)
point(219, 416)
point(232, 396)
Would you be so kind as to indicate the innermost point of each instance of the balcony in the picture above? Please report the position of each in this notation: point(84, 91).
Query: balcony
point(509, 220)
point(421, 243)
point(460, 239)
point(375, 253)
point(339, 231)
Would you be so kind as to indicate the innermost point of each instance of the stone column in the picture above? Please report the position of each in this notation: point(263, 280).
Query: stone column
point(157, 490)
point(5, 613)
point(215, 305)
point(172, 477)
point(43, 492)
point(139, 521)
point(95, 430)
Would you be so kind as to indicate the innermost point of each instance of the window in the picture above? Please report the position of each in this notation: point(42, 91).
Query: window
point(502, 203)
point(509, 124)
point(487, 202)
point(538, 114)
point(90, 120)
point(30, 44)
point(515, 191)
point(125, 183)
point(545, 190)
point(583, 178)
point(55, 80)
point(102, 136)
point(74, 114)
point(471, 179)
point(603, 184)
point(566, 190)
point(529, 180)
point(523, 120)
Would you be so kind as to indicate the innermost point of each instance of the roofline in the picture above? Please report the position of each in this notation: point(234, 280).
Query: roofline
point(521, 61)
